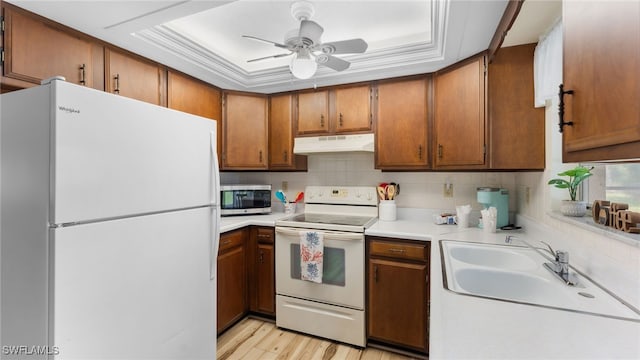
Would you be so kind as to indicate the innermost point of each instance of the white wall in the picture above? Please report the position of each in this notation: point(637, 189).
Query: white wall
point(418, 189)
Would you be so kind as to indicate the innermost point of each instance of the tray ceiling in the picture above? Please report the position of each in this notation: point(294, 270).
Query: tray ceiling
point(204, 38)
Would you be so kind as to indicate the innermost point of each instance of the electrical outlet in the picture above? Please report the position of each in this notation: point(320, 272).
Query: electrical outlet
point(285, 186)
point(448, 190)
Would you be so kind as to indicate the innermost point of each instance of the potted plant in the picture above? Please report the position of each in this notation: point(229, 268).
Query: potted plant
point(576, 175)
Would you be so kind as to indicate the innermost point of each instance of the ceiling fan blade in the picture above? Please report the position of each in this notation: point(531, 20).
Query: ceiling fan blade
point(265, 41)
point(332, 62)
point(310, 30)
point(352, 46)
point(270, 57)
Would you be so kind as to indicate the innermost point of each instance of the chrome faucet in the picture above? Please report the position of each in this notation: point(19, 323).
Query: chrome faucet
point(560, 265)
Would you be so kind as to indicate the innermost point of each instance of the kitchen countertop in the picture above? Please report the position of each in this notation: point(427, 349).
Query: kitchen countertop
point(464, 327)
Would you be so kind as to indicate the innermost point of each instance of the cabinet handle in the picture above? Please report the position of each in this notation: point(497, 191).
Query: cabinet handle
point(82, 74)
point(226, 242)
point(561, 94)
point(117, 81)
point(261, 257)
point(420, 151)
point(260, 156)
point(375, 274)
point(397, 251)
point(340, 121)
point(285, 156)
point(321, 120)
point(439, 151)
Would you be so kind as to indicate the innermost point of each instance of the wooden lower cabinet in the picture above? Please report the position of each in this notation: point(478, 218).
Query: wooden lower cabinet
point(398, 293)
point(262, 291)
point(232, 279)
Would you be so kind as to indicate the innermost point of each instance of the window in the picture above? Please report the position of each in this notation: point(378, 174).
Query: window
point(622, 184)
point(614, 182)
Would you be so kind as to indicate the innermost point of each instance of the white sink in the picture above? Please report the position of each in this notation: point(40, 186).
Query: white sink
point(516, 274)
point(504, 258)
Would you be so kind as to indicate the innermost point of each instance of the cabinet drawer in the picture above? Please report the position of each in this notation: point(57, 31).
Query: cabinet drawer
point(265, 236)
point(399, 250)
point(231, 240)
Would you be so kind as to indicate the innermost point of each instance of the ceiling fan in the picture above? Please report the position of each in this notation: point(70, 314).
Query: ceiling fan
point(307, 49)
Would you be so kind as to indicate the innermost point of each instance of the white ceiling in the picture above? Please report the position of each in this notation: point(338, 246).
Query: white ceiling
point(203, 37)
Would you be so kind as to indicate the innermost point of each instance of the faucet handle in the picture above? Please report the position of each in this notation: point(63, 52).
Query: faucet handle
point(562, 257)
point(553, 252)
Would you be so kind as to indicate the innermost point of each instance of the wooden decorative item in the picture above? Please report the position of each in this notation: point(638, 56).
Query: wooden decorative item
point(616, 215)
point(595, 209)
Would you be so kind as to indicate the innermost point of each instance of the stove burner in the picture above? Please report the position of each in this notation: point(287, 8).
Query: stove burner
point(332, 219)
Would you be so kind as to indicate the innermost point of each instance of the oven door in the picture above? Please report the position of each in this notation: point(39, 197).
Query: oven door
point(343, 268)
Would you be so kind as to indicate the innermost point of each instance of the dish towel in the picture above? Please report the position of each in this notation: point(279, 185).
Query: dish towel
point(311, 256)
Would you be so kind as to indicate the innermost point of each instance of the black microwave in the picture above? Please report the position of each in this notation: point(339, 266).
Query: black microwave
point(245, 199)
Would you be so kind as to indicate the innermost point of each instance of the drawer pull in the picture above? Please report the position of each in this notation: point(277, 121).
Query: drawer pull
point(226, 242)
point(82, 74)
point(397, 251)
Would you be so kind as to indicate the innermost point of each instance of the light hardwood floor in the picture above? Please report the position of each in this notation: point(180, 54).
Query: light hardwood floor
point(256, 339)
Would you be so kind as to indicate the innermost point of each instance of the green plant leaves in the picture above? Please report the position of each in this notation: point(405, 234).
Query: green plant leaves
point(576, 176)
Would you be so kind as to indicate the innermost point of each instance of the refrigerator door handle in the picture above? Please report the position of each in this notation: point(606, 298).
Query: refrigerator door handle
point(215, 238)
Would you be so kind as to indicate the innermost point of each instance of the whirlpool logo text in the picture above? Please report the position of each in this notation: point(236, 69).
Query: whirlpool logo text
point(69, 110)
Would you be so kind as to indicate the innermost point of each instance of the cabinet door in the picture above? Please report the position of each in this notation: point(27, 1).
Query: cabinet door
point(602, 67)
point(516, 126)
point(266, 280)
point(281, 114)
point(352, 109)
point(232, 279)
point(460, 116)
point(36, 50)
point(195, 97)
point(401, 125)
point(133, 77)
point(397, 311)
point(313, 113)
point(244, 127)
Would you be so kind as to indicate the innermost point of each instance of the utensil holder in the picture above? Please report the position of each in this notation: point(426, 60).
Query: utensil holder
point(387, 210)
point(289, 208)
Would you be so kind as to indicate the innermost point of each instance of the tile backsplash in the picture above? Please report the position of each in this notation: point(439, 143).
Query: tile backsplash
point(418, 189)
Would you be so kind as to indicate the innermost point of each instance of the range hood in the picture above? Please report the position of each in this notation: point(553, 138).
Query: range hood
point(333, 144)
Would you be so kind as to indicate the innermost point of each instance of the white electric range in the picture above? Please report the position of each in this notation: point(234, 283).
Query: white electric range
point(334, 308)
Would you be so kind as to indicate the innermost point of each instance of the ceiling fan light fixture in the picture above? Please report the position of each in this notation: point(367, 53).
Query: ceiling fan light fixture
point(303, 65)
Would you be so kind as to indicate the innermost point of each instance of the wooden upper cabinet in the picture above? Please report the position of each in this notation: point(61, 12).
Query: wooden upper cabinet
point(245, 131)
point(134, 77)
point(602, 67)
point(195, 97)
point(313, 112)
point(35, 50)
point(281, 116)
point(344, 109)
point(516, 126)
point(401, 125)
point(459, 101)
point(351, 109)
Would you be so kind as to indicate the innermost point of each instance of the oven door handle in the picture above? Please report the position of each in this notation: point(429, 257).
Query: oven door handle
point(326, 235)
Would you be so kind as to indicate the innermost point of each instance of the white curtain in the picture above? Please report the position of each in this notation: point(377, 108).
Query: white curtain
point(547, 66)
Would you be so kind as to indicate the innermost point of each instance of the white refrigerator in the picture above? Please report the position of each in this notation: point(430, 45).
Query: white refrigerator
point(109, 227)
